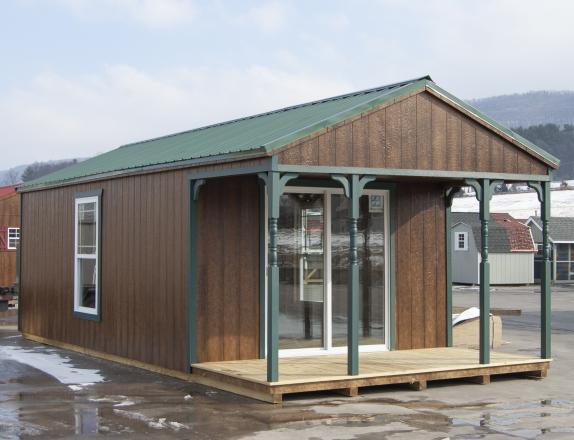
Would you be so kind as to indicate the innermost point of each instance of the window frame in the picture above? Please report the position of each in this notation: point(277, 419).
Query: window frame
point(8, 247)
point(79, 311)
point(457, 242)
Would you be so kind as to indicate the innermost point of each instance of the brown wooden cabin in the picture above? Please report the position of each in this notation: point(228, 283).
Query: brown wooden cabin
point(272, 240)
point(9, 234)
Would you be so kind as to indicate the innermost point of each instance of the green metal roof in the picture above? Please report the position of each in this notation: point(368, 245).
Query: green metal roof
point(261, 133)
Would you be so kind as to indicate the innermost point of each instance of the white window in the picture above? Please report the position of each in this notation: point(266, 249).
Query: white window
point(86, 256)
point(461, 241)
point(13, 238)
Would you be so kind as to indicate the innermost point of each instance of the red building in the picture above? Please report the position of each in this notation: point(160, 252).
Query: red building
point(9, 234)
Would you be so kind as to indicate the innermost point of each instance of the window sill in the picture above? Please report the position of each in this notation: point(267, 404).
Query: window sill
point(87, 316)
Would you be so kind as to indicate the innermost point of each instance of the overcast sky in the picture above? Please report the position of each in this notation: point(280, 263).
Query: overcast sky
point(80, 77)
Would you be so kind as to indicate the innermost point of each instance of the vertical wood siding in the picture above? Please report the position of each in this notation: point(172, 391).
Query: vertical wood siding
point(143, 266)
point(418, 132)
point(9, 218)
point(228, 270)
point(420, 266)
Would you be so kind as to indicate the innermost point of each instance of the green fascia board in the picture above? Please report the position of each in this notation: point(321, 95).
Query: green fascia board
point(553, 160)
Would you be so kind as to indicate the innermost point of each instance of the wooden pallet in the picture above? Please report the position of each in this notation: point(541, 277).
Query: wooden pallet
point(328, 372)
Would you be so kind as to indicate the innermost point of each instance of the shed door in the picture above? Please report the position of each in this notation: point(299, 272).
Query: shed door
point(313, 251)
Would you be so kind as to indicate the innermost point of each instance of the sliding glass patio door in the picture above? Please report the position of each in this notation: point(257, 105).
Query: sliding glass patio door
point(313, 251)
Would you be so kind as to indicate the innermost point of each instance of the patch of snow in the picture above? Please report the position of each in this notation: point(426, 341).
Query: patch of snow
point(80, 387)
point(53, 364)
point(126, 402)
point(118, 401)
point(160, 423)
point(521, 205)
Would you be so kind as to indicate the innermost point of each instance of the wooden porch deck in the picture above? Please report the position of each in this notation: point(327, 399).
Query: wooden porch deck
point(328, 372)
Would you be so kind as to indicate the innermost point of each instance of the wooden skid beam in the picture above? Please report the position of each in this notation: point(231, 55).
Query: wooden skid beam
point(349, 392)
point(483, 379)
point(419, 385)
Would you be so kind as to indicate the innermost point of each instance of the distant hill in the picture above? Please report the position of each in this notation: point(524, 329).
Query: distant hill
point(544, 118)
point(33, 171)
point(526, 109)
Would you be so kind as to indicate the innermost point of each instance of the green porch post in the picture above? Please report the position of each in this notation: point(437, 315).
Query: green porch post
point(353, 188)
point(483, 190)
point(543, 191)
point(194, 186)
point(450, 193)
point(484, 274)
point(546, 312)
point(273, 280)
point(275, 184)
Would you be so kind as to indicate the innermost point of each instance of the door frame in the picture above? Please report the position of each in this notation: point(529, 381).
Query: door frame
point(327, 347)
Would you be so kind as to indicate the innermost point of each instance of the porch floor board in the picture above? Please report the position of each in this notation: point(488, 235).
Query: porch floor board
point(328, 372)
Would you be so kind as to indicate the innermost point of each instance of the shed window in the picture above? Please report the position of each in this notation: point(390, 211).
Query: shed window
point(461, 241)
point(13, 238)
point(86, 257)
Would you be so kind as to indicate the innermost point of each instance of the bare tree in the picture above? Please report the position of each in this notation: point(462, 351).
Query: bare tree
point(11, 177)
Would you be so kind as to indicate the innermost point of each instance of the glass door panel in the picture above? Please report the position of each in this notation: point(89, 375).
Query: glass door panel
point(371, 250)
point(371, 253)
point(300, 249)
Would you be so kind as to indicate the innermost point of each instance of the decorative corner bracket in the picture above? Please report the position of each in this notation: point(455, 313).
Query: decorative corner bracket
point(537, 186)
point(450, 193)
point(197, 184)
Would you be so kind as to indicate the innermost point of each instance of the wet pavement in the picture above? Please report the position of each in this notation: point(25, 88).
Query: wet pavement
point(46, 392)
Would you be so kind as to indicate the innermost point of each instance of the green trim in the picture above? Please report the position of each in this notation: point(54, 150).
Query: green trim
point(229, 157)
point(397, 172)
point(87, 316)
point(193, 194)
point(353, 186)
point(543, 191)
point(83, 194)
point(234, 171)
point(275, 183)
point(483, 191)
point(272, 183)
point(98, 315)
point(262, 268)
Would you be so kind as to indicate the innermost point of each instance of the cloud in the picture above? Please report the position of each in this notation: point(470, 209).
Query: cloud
point(268, 17)
point(60, 117)
point(159, 14)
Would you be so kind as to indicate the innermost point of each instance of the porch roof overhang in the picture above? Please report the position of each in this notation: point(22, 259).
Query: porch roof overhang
point(271, 165)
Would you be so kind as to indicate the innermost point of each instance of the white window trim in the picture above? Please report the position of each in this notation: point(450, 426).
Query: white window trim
point(12, 248)
point(456, 241)
point(95, 256)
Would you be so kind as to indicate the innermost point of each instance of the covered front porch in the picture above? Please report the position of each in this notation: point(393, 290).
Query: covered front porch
point(388, 170)
point(414, 368)
point(275, 374)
